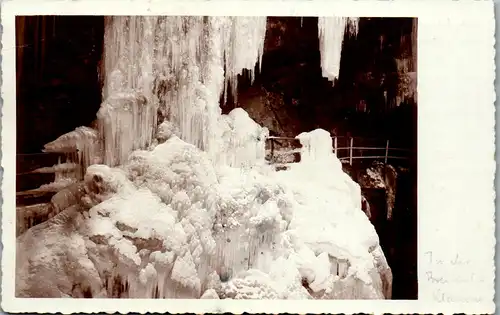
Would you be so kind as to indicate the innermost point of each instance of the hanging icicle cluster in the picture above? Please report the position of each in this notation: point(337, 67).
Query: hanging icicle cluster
point(127, 121)
point(181, 66)
point(243, 47)
point(178, 68)
point(177, 64)
point(128, 116)
point(82, 146)
point(331, 37)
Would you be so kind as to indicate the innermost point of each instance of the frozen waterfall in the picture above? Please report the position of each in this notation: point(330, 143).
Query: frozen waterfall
point(184, 204)
point(177, 64)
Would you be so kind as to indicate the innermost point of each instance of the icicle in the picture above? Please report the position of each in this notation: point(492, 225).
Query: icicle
point(331, 36)
point(127, 122)
point(244, 48)
point(177, 63)
point(127, 118)
point(84, 142)
point(352, 26)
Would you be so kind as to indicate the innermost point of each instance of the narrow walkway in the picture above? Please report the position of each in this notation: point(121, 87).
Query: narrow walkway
point(344, 147)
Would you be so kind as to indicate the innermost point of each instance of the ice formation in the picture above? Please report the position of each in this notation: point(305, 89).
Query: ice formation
point(242, 142)
point(171, 224)
point(65, 173)
point(181, 65)
point(186, 206)
point(83, 147)
point(126, 122)
point(331, 37)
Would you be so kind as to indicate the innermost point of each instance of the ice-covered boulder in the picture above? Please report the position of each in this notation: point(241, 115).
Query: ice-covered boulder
point(242, 141)
point(84, 141)
point(52, 260)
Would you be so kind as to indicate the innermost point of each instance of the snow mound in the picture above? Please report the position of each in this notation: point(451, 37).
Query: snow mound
point(242, 141)
point(189, 208)
point(170, 224)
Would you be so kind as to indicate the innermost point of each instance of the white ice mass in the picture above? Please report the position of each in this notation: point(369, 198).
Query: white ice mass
point(331, 38)
point(188, 207)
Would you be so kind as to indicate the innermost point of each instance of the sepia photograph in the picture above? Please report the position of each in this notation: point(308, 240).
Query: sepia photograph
point(216, 157)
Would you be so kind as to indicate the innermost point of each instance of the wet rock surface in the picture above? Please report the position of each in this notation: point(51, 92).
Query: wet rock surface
point(392, 197)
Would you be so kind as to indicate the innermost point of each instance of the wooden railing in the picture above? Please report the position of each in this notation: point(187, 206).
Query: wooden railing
point(348, 152)
point(343, 147)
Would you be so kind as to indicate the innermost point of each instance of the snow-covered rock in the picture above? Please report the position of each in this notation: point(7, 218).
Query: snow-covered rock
point(171, 224)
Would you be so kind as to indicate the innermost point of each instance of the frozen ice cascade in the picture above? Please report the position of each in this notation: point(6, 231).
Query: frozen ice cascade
point(184, 204)
point(177, 64)
point(331, 37)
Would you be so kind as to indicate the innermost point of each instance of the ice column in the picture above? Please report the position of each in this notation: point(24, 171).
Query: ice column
point(128, 116)
point(127, 122)
point(128, 54)
point(331, 36)
point(317, 155)
point(177, 64)
point(183, 97)
point(316, 147)
point(244, 46)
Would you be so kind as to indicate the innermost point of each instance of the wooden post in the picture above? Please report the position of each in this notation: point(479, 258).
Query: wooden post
point(335, 146)
point(386, 151)
point(350, 151)
point(272, 149)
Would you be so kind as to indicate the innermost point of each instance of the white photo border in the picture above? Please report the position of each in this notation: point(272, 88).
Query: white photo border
point(456, 146)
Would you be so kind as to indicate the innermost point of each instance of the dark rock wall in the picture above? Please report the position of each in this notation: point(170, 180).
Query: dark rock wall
point(403, 233)
point(363, 102)
point(398, 234)
point(57, 68)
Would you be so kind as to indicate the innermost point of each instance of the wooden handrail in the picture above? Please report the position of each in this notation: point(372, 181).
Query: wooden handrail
point(339, 137)
point(367, 148)
point(281, 138)
point(399, 149)
point(375, 157)
point(31, 154)
point(47, 153)
point(362, 148)
point(374, 148)
point(351, 149)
